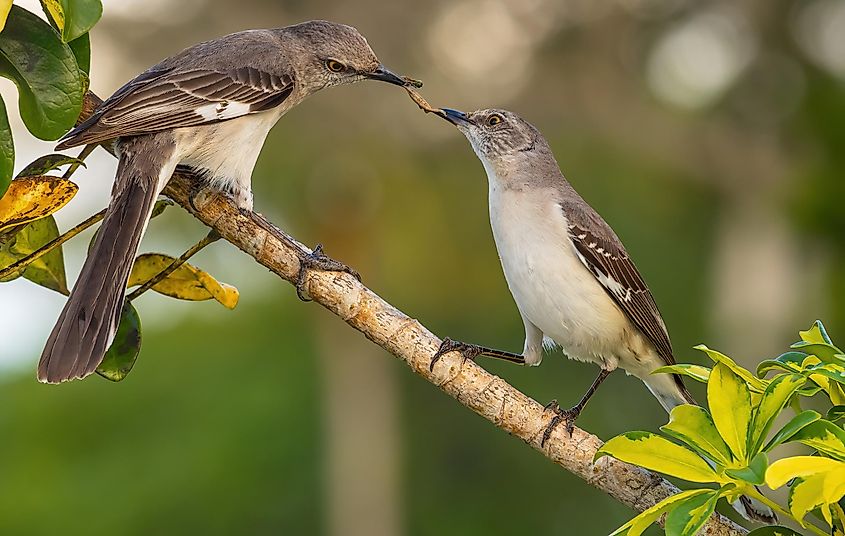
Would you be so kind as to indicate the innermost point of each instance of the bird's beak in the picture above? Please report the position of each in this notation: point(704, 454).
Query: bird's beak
point(455, 117)
point(386, 75)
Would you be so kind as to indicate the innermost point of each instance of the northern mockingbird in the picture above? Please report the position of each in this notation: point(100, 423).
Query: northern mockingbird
point(209, 108)
point(572, 280)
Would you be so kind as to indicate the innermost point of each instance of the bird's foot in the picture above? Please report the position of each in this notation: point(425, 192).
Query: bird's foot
point(467, 350)
point(567, 416)
point(317, 260)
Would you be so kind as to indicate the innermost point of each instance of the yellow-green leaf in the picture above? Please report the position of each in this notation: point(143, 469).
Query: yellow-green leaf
point(694, 426)
point(755, 473)
point(658, 454)
point(688, 516)
point(753, 381)
point(730, 406)
point(820, 481)
point(186, 283)
point(824, 436)
point(49, 269)
point(816, 334)
point(47, 163)
point(639, 524)
point(696, 372)
point(775, 397)
point(31, 198)
point(73, 17)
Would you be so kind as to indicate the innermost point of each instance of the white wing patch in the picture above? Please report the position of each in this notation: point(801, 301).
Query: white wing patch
point(614, 286)
point(219, 111)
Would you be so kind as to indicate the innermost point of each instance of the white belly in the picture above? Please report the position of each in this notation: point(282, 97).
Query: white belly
point(550, 284)
point(227, 150)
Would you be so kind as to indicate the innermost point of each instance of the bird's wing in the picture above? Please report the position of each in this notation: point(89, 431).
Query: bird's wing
point(605, 256)
point(162, 99)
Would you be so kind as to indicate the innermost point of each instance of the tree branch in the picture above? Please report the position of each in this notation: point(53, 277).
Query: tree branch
point(486, 394)
point(404, 337)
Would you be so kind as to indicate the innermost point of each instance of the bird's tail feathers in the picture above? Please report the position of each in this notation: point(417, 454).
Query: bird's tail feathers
point(89, 320)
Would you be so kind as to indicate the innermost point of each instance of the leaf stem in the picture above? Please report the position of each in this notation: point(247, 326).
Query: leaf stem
point(52, 244)
point(83, 154)
point(210, 238)
point(751, 491)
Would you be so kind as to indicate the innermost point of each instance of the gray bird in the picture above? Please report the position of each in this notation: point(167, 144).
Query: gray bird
point(572, 280)
point(209, 108)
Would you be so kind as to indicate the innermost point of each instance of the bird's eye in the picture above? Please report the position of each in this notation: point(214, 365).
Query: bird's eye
point(494, 120)
point(335, 66)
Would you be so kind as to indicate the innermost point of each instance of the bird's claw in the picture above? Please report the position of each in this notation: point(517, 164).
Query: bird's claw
point(468, 351)
point(317, 260)
point(560, 415)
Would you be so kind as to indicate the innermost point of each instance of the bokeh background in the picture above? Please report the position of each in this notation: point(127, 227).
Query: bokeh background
point(709, 134)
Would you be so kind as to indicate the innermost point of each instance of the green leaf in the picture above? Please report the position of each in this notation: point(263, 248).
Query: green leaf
point(834, 371)
point(688, 516)
point(161, 204)
point(730, 406)
point(774, 531)
point(824, 436)
point(48, 270)
point(45, 71)
point(826, 352)
point(7, 150)
point(123, 352)
point(776, 364)
point(81, 48)
point(696, 372)
point(639, 524)
point(755, 473)
point(792, 427)
point(774, 398)
point(694, 426)
point(753, 381)
point(73, 17)
point(658, 454)
point(835, 413)
point(47, 163)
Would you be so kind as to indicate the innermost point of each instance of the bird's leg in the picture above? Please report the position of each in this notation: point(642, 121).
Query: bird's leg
point(317, 260)
point(471, 351)
point(570, 415)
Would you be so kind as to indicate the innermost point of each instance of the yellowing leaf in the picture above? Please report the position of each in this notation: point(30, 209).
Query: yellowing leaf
point(816, 334)
point(823, 436)
point(186, 283)
point(639, 524)
point(693, 425)
point(730, 406)
point(31, 198)
point(658, 454)
point(54, 9)
point(5, 7)
point(785, 469)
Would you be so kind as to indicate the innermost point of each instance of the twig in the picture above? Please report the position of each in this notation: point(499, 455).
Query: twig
point(52, 244)
point(83, 154)
point(211, 237)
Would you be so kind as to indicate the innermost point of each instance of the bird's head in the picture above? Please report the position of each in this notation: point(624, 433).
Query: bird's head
point(336, 54)
point(498, 137)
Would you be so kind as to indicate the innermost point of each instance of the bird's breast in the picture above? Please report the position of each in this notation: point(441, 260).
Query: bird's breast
point(551, 286)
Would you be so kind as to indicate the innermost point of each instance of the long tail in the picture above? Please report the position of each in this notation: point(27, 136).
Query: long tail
point(89, 320)
point(670, 392)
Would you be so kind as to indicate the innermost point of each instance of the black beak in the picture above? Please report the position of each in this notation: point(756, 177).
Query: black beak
point(455, 117)
point(386, 75)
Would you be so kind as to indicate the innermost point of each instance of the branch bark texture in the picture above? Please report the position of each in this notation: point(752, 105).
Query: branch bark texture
point(406, 338)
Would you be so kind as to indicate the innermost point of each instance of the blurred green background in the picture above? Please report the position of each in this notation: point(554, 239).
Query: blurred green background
point(708, 134)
